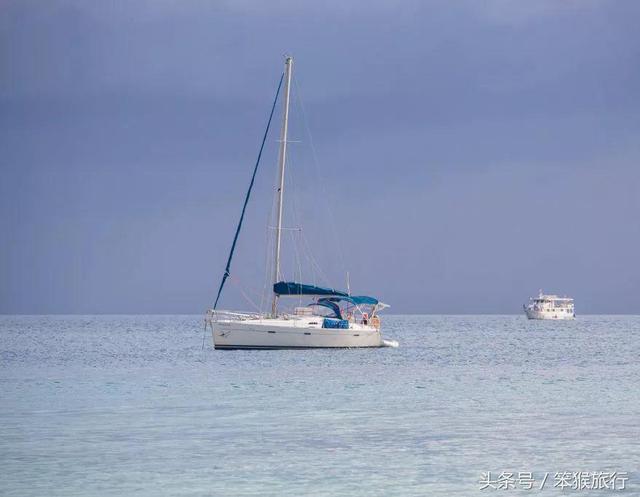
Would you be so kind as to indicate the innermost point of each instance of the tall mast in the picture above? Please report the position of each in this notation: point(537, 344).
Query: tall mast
point(282, 159)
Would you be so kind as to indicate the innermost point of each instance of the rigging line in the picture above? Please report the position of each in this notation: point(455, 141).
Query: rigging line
point(271, 242)
point(270, 246)
point(268, 243)
point(246, 199)
point(297, 217)
point(236, 282)
point(295, 210)
point(296, 261)
point(312, 260)
point(299, 244)
point(305, 246)
point(314, 155)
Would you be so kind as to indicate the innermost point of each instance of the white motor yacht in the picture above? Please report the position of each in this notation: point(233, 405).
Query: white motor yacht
point(550, 307)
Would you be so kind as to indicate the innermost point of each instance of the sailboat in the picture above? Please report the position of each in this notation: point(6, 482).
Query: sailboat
point(333, 318)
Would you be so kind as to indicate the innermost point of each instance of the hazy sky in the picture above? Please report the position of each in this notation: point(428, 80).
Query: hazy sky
point(468, 153)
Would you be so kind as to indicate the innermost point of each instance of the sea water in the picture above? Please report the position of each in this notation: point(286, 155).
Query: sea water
point(135, 405)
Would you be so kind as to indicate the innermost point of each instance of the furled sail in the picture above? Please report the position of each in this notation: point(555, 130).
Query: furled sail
point(293, 288)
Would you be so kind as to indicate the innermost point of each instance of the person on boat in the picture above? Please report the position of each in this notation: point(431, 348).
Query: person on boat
point(365, 318)
point(375, 321)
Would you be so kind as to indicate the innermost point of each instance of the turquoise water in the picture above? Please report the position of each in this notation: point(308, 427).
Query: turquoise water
point(132, 405)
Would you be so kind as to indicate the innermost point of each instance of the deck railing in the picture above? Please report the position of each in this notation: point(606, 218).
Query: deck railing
point(214, 315)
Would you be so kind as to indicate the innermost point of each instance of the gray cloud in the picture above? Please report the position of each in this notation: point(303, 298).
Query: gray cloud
point(470, 152)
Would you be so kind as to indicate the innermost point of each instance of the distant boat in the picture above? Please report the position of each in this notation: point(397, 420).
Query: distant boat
point(550, 307)
point(334, 318)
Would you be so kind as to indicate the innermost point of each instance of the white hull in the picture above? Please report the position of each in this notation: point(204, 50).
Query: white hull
point(294, 333)
point(553, 315)
point(550, 307)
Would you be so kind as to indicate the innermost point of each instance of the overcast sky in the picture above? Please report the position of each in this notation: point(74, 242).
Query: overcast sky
point(467, 153)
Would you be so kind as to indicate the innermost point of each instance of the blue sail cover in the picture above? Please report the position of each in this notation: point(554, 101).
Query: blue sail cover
point(293, 288)
point(354, 299)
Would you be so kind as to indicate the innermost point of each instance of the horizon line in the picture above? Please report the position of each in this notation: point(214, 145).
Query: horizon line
point(387, 314)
